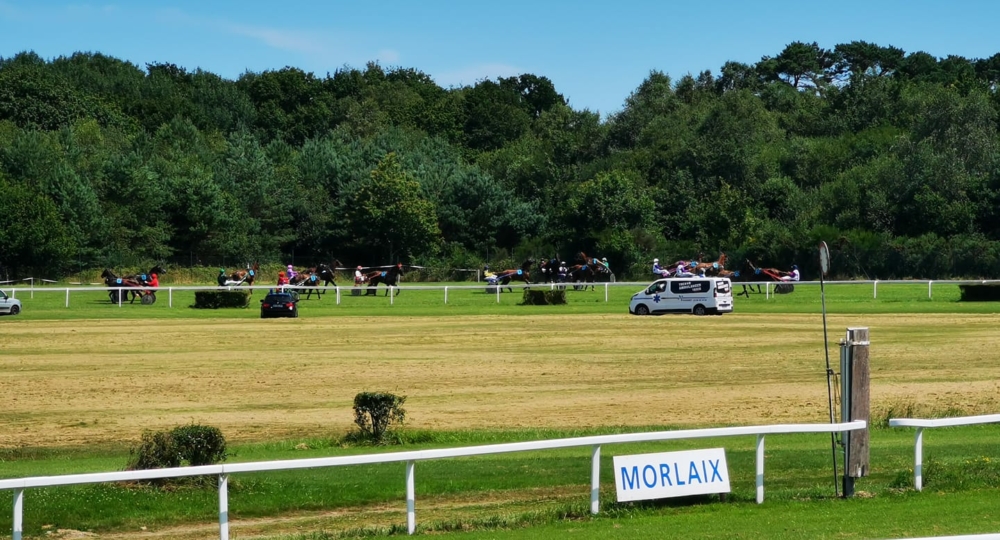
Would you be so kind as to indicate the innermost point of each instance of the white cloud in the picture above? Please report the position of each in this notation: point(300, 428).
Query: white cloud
point(472, 74)
point(286, 40)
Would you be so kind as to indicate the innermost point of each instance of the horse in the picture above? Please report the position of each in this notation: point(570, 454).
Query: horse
point(246, 276)
point(327, 272)
point(308, 280)
point(390, 278)
point(582, 273)
point(548, 270)
point(515, 274)
point(112, 280)
point(711, 268)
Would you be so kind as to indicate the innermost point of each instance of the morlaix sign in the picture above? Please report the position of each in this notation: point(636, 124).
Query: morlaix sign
point(671, 474)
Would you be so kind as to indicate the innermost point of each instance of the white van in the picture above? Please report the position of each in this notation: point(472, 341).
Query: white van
point(699, 295)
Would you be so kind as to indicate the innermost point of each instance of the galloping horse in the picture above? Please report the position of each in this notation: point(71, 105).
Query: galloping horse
point(517, 274)
point(326, 272)
point(711, 268)
point(548, 270)
point(309, 280)
point(582, 273)
point(246, 276)
point(390, 278)
point(112, 280)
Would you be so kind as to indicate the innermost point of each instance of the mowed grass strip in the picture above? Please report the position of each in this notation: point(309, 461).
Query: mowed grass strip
point(91, 382)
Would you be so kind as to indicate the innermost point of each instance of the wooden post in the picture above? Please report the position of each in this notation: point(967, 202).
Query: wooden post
point(858, 407)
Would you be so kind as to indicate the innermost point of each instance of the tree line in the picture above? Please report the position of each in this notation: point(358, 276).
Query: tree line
point(890, 157)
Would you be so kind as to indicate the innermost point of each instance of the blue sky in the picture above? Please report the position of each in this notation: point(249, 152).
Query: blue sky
point(596, 53)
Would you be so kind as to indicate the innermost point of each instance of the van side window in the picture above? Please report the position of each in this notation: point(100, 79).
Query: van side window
point(688, 287)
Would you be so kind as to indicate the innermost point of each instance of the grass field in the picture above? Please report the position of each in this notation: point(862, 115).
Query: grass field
point(77, 384)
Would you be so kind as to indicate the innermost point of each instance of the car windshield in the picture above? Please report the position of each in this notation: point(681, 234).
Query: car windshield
point(278, 298)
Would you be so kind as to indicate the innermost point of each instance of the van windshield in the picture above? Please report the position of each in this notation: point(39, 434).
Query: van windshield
point(722, 286)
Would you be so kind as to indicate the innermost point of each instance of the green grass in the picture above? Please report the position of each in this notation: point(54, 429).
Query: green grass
point(961, 465)
point(49, 303)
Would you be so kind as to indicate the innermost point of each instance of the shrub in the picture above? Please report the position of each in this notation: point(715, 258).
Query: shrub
point(980, 293)
point(199, 445)
point(543, 298)
point(221, 299)
point(375, 412)
point(156, 450)
point(192, 445)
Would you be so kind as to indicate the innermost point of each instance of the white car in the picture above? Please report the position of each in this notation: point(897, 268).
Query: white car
point(699, 295)
point(9, 305)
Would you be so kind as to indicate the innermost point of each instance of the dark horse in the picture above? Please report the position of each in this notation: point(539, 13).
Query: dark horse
point(390, 278)
point(582, 273)
point(112, 280)
point(327, 272)
point(548, 270)
point(515, 274)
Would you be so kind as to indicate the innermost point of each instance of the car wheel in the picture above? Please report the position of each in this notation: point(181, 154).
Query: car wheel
point(14, 310)
point(641, 309)
point(699, 310)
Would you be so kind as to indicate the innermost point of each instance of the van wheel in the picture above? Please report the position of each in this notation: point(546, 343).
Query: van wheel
point(641, 309)
point(699, 310)
point(14, 310)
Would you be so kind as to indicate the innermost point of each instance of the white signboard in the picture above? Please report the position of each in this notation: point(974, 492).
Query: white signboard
point(671, 474)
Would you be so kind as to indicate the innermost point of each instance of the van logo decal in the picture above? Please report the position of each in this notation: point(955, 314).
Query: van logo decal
point(656, 298)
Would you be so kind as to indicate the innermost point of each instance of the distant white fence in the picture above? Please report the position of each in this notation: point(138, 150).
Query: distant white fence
point(921, 424)
point(18, 485)
point(767, 285)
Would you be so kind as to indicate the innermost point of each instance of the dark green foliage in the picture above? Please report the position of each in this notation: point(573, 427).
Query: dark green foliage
point(199, 445)
point(193, 445)
point(156, 450)
point(221, 299)
point(891, 157)
point(376, 412)
point(534, 297)
point(980, 293)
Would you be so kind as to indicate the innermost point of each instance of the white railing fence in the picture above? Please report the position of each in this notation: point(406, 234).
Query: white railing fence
point(19, 485)
point(921, 424)
point(498, 290)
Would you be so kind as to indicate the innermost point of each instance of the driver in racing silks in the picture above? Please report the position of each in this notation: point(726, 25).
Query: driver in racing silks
point(563, 272)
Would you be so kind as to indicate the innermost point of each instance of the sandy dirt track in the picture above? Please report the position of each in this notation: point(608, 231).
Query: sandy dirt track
point(65, 383)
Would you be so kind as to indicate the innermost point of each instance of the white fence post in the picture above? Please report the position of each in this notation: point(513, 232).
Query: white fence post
point(875, 289)
point(411, 507)
point(67, 296)
point(595, 479)
point(605, 292)
point(121, 292)
point(338, 295)
point(223, 507)
point(391, 296)
point(170, 297)
point(760, 469)
point(767, 291)
point(498, 291)
point(930, 285)
point(18, 514)
point(918, 461)
point(446, 295)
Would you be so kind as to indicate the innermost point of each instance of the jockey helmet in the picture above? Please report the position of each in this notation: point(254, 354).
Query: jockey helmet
point(281, 274)
point(656, 260)
point(359, 267)
point(795, 267)
point(222, 270)
point(604, 259)
point(289, 267)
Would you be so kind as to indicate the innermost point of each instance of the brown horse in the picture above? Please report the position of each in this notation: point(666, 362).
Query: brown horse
point(112, 280)
point(711, 268)
point(309, 281)
point(515, 274)
point(582, 273)
point(246, 276)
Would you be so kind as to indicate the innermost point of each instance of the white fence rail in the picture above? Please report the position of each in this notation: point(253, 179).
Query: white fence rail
point(767, 285)
point(921, 424)
point(18, 485)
